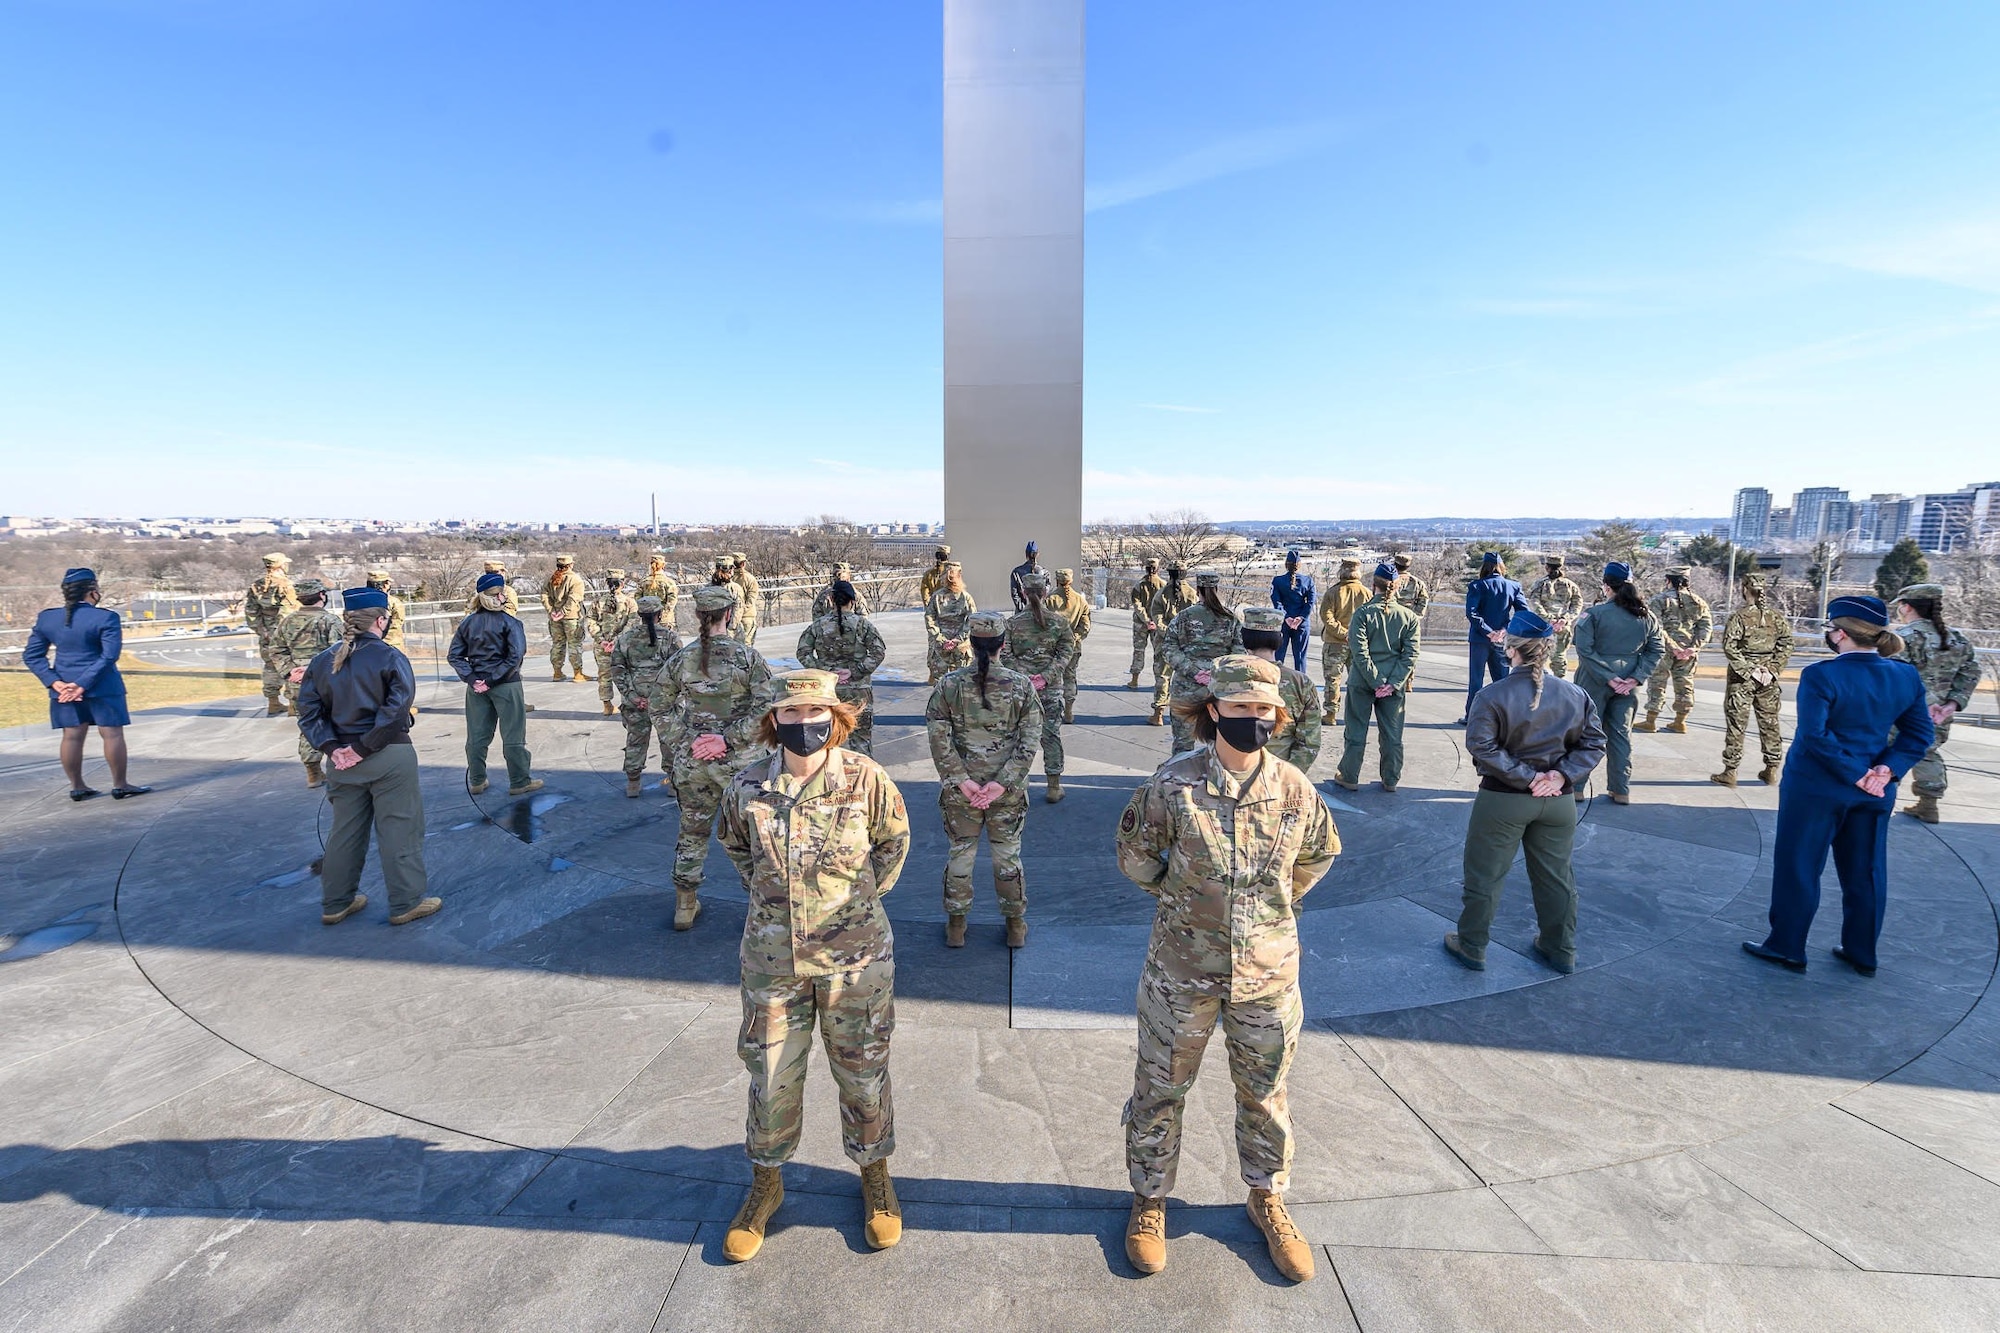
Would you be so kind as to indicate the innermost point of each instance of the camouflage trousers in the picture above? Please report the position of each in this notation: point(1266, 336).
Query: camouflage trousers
point(1163, 674)
point(698, 787)
point(1261, 1037)
point(1069, 676)
point(1050, 697)
point(1681, 672)
point(1184, 738)
point(1928, 777)
point(862, 738)
point(1741, 697)
point(1333, 660)
point(856, 1014)
point(566, 645)
point(602, 660)
point(941, 659)
point(1559, 654)
point(1003, 821)
point(744, 631)
point(639, 734)
point(1142, 639)
point(274, 679)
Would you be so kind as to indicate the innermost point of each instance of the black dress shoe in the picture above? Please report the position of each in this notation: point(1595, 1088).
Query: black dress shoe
point(1773, 956)
point(1865, 969)
point(84, 793)
point(120, 793)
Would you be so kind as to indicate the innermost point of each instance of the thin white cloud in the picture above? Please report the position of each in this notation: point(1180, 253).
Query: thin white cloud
point(1179, 407)
point(1130, 496)
point(1740, 382)
point(1225, 157)
point(1963, 253)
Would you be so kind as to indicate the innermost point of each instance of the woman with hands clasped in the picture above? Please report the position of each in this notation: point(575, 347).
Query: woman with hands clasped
point(73, 650)
point(1618, 643)
point(984, 723)
point(1863, 723)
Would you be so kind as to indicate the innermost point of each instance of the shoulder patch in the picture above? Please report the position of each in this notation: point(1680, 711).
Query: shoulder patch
point(1129, 821)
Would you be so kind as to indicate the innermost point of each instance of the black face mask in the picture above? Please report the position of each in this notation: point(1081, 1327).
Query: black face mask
point(1247, 734)
point(985, 646)
point(805, 738)
point(1831, 646)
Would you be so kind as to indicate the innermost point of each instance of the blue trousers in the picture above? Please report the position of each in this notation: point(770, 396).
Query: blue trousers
point(1854, 826)
point(1294, 643)
point(1485, 656)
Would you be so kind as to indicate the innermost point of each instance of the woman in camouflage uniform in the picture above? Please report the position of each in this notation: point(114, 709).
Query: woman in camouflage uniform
point(983, 723)
point(1298, 741)
point(947, 614)
point(1228, 839)
point(1205, 631)
point(845, 643)
point(710, 700)
point(1040, 644)
point(1944, 658)
point(300, 637)
point(638, 656)
point(819, 834)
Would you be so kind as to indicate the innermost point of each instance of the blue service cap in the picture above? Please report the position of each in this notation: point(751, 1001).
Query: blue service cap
point(1868, 610)
point(488, 582)
point(1618, 572)
point(362, 599)
point(1292, 554)
point(1527, 625)
point(1032, 548)
point(1385, 571)
point(79, 575)
point(1490, 558)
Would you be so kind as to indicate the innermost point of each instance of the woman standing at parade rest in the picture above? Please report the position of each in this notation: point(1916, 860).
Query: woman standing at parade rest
point(1618, 644)
point(1228, 839)
point(819, 834)
point(1195, 639)
point(1862, 724)
point(1534, 738)
point(1040, 644)
point(85, 688)
point(1950, 671)
point(947, 617)
point(846, 643)
point(710, 701)
point(983, 723)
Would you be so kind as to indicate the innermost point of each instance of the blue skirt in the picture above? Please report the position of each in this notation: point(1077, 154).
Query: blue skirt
point(99, 710)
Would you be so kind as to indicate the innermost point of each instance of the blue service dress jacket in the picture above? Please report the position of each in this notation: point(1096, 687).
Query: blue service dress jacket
point(1490, 603)
point(1294, 595)
point(1856, 710)
point(86, 653)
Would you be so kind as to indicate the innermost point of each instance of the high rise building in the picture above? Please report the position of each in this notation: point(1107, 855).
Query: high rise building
point(1780, 527)
point(1750, 517)
point(1811, 519)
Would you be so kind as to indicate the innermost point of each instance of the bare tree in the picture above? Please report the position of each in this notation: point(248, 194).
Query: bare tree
point(445, 569)
point(1183, 537)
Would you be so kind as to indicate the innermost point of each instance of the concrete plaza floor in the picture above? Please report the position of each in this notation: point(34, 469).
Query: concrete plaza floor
point(526, 1112)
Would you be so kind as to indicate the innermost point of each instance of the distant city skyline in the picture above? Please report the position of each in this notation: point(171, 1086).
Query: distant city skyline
point(1939, 521)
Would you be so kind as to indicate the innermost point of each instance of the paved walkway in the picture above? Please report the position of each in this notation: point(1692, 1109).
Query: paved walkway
point(526, 1112)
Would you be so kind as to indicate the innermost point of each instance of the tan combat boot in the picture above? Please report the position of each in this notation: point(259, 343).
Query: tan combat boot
point(1158, 718)
point(1146, 1234)
point(1650, 724)
point(1133, 683)
point(1679, 726)
point(291, 710)
point(1017, 932)
point(633, 784)
point(1069, 713)
point(425, 907)
point(1924, 808)
point(1769, 777)
point(686, 908)
point(1726, 778)
point(1055, 792)
point(316, 777)
point(559, 676)
point(274, 708)
point(531, 785)
point(881, 1215)
point(608, 709)
point(746, 1230)
point(579, 677)
point(477, 788)
point(1327, 718)
point(954, 931)
point(1289, 1250)
point(335, 918)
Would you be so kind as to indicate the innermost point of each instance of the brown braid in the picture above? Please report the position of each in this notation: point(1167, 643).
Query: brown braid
point(359, 625)
point(710, 622)
point(1534, 654)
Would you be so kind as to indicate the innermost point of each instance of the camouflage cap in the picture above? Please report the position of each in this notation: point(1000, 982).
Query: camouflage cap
point(1065, 576)
point(496, 566)
point(307, 589)
point(954, 564)
point(1752, 579)
point(614, 574)
point(1035, 583)
point(563, 561)
point(277, 560)
point(378, 576)
point(1207, 578)
point(803, 689)
point(1932, 591)
point(723, 561)
point(943, 551)
point(651, 605)
point(1348, 562)
point(1678, 571)
point(657, 559)
point(737, 557)
point(1261, 617)
point(1152, 562)
point(1553, 558)
point(988, 625)
point(843, 569)
point(1401, 559)
point(715, 596)
point(1241, 678)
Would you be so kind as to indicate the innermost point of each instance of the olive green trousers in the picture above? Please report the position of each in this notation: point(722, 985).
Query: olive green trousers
point(1543, 829)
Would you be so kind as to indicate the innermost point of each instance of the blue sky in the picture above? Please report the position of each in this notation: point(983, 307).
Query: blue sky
point(453, 259)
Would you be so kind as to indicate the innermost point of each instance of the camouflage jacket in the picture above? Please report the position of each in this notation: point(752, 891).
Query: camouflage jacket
point(1196, 638)
point(932, 580)
point(993, 740)
point(747, 589)
point(1040, 650)
point(1336, 611)
point(815, 859)
point(1949, 666)
point(1414, 593)
point(608, 613)
point(660, 586)
point(858, 651)
point(727, 700)
point(636, 664)
point(1757, 635)
point(1228, 857)
point(1146, 602)
point(1684, 619)
point(948, 615)
point(1557, 599)
point(1174, 598)
point(398, 610)
point(1383, 648)
point(267, 602)
point(1298, 744)
point(1075, 608)
point(563, 594)
point(823, 604)
point(302, 636)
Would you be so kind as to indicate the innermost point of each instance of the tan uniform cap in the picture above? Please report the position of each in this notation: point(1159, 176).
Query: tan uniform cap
point(805, 688)
point(1241, 678)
